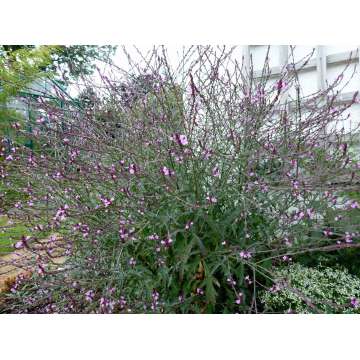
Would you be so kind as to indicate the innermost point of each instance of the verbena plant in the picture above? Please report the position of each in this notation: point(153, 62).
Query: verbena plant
point(178, 189)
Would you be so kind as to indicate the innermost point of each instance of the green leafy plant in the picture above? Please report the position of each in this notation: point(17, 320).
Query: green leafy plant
point(303, 289)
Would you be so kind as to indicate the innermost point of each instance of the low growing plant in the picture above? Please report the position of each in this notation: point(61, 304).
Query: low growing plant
point(301, 290)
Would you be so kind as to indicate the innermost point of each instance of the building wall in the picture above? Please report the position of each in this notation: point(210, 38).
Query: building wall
point(38, 87)
point(325, 65)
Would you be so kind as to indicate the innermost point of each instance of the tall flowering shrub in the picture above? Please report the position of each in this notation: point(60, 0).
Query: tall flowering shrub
point(182, 194)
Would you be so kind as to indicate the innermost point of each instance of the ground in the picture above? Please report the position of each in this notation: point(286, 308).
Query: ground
point(13, 261)
point(9, 234)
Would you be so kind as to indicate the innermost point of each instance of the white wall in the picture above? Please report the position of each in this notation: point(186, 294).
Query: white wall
point(310, 80)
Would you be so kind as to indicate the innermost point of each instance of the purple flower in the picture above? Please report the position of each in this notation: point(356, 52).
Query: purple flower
point(155, 299)
point(182, 139)
point(133, 169)
point(19, 245)
point(106, 305)
point(122, 302)
point(352, 204)
point(102, 301)
point(343, 147)
point(61, 213)
point(354, 302)
point(281, 85)
point(22, 243)
point(107, 202)
point(167, 242)
point(132, 262)
point(89, 296)
point(355, 205)
point(244, 254)
point(275, 288)
point(18, 205)
point(211, 199)
point(166, 171)
point(327, 232)
point(216, 172)
point(239, 297)
point(286, 258)
point(300, 215)
point(124, 233)
point(207, 153)
point(310, 213)
point(348, 237)
point(31, 160)
point(295, 184)
point(199, 291)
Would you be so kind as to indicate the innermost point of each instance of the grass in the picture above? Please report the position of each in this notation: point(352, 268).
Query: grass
point(10, 235)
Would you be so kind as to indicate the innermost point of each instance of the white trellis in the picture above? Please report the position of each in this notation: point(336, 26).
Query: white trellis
point(326, 63)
